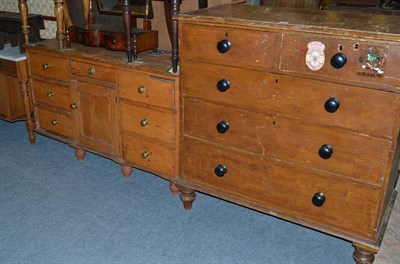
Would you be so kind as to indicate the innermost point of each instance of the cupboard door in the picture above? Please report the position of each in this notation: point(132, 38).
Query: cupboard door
point(95, 117)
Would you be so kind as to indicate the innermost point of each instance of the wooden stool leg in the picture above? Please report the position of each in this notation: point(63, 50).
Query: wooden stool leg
point(363, 256)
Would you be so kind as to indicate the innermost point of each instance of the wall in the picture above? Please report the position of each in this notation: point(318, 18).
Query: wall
point(46, 7)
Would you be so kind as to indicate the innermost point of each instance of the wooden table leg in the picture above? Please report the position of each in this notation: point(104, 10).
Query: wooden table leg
point(59, 13)
point(23, 11)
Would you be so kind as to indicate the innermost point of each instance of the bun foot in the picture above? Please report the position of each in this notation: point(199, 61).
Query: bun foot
point(172, 187)
point(187, 196)
point(363, 256)
point(80, 154)
point(126, 171)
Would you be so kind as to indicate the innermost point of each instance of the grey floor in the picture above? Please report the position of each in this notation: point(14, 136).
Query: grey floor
point(55, 209)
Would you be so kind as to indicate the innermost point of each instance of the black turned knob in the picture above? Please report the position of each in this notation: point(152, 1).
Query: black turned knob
point(338, 60)
point(222, 127)
point(332, 105)
point(220, 170)
point(223, 85)
point(114, 41)
point(223, 46)
point(318, 199)
point(325, 151)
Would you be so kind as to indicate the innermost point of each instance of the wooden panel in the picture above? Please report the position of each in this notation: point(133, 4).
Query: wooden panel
point(11, 106)
point(51, 95)
point(248, 48)
point(356, 156)
point(54, 122)
point(146, 89)
point(160, 158)
point(95, 117)
point(93, 71)
point(356, 52)
point(150, 122)
point(8, 67)
point(48, 66)
point(281, 186)
point(362, 109)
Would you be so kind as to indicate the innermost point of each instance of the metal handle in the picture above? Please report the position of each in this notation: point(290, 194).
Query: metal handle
point(144, 122)
point(74, 106)
point(145, 154)
point(50, 94)
point(46, 66)
point(141, 89)
point(91, 71)
point(55, 122)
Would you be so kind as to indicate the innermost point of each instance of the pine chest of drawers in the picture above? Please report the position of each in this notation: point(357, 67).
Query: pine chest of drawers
point(293, 113)
point(94, 100)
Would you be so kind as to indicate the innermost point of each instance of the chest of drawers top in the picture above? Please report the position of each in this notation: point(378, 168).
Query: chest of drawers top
point(355, 49)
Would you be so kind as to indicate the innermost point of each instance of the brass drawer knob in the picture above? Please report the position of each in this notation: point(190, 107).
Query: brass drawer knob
point(145, 154)
point(50, 94)
point(318, 199)
point(91, 71)
point(144, 122)
point(74, 106)
point(141, 89)
point(55, 122)
point(46, 66)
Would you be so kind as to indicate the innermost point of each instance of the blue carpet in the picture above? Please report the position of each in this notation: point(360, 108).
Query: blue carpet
point(55, 209)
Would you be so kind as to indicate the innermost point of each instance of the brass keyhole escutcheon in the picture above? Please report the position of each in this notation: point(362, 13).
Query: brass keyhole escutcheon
point(144, 122)
point(55, 122)
point(145, 154)
point(50, 94)
point(91, 71)
point(46, 66)
point(141, 89)
point(74, 106)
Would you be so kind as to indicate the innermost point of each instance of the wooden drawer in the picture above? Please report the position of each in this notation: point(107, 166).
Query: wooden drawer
point(356, 156)
point(146, 89)
point(366, 110)
point(8, 67)
point(93, 71)
point(356, 52)
point(51, 95)
point(151, 156)
point(154, 123)
point(54, 122)
point(249, 48)
point(348, 206)
point(48, 66)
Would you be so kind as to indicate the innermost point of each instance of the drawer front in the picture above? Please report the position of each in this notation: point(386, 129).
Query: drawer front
point(51, 95)
point(151, 156)
point(364, 62)
point(48, 66)
point(146, 89)
point(248, 48)
point(154, 123)
point(93, 71)
point(54, 122)
point(8, 67)
point(280, 186)
point(332, 150)
point(360, 109)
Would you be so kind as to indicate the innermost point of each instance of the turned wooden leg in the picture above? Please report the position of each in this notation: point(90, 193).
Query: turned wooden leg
point(23, 82)
point(363, 256)
point(172, 187)
point(80, 154)
point(187, 196)
point(126, 170)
